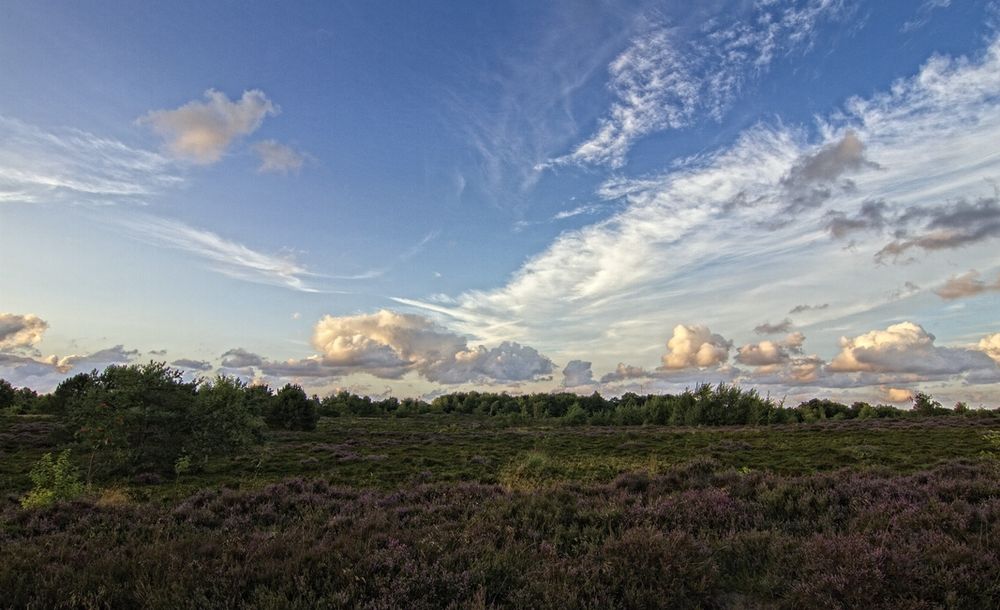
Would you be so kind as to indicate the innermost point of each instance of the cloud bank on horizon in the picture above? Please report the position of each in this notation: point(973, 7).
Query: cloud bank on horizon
point(850, 249)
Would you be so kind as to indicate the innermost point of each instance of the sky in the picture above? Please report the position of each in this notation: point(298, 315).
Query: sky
point(799, 196)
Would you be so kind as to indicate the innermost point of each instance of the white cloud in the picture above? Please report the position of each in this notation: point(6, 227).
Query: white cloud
point(897, 394)
point(687, 236)
point(695, 347)
point(68, 165)
point(904, 348)
point(668, 78)
point(21, 331)
point(389, 344)
point(202, 131)
point(230, 258)
point(278, 158)
point(990, 345)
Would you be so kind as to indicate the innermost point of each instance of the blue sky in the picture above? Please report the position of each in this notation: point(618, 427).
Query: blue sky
point(421, 197)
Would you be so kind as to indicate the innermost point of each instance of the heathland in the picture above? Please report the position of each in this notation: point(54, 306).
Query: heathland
point(135, 488)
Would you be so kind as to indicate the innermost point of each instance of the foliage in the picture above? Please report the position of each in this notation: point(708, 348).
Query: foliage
point(55, 480)
point(291, 409)
point(144, 417)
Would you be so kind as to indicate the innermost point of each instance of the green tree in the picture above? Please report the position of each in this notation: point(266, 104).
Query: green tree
point(291, 409)
point(222, 420)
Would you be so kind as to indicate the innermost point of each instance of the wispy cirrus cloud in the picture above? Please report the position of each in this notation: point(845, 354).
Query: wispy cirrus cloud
point(277, 158)
point(681, 238)
point(669, 78)
point(222, 255)
point(62, 165)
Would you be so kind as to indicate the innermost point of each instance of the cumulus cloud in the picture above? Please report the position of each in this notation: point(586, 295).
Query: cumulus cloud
point(695, 347)
point(21, 331)
point(577, 373)
point(389, 344)
point(767, 328)
point(668, 78)
point(73, 166)
point(897, 394)
point(238, 358)
point(770, 353)
point(193, 365)
point(966, 285)
point(627, 371)
point(278, 158)
point(990, 345)
point(202, 131)
point(904, 348)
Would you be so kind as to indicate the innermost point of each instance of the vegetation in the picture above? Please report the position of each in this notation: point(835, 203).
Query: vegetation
point(218, 494)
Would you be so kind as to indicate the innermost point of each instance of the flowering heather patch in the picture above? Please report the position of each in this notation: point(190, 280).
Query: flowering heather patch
point(695, 535)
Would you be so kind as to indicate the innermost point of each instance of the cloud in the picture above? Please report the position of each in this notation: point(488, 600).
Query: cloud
point(990, 345)
point(805, 308)
point(813, 178)
point(670, 78)
point(99, 359)
point(389, 344)
point(945, 227)
point(870, 217)
point(227, 257)
point(904, 348)
point(238, 358)
point(202, 131)
point(577, 373)
point(624, 371)
point(68, 165)
point(21, 331)
point(966, 285)
point(695, 347)
point(773, 329)
point(278, 158)
point(194, 365)
point(897, 394)
point(770, 353)
point(924, 13)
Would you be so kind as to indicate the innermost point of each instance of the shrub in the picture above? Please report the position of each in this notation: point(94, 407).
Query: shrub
point(55, 479)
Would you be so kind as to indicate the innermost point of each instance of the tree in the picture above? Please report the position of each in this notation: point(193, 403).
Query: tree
point(222, 420)
point(923, 404)
point(134, 417)
point(7, 394)
point(291, 409)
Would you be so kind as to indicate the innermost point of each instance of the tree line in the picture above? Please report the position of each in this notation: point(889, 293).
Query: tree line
point(148, 417)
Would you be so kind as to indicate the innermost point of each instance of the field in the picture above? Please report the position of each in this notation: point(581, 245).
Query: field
point(462, 511)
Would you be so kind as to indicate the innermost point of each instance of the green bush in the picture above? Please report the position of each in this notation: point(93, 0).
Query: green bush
point(55, 479)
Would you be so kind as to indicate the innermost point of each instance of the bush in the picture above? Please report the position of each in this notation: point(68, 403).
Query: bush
point(55, 479)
